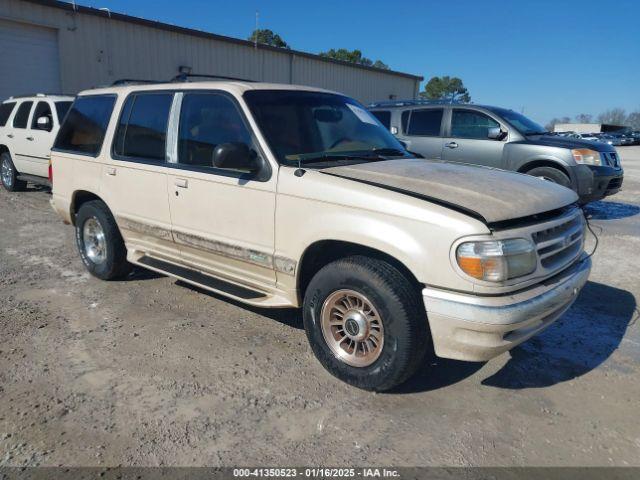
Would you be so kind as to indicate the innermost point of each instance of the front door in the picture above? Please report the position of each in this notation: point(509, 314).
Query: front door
point(223, 219)
point(468, 139)
point(40, 141)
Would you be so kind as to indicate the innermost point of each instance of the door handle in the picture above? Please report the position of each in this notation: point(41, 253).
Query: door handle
point(30, 139)
point(452, 145)
point(180, 183)
point(111, 171)
point(10, 135)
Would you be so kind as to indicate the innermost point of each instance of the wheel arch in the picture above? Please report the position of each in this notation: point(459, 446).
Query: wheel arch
point(79, 198)
point(544, 162)
point(323, 252)
point(4, 149)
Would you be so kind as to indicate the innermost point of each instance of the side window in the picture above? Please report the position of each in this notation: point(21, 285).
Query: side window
point(5, 112)
point(142, 130)
point(426, 122)
point(384, 116)
point(61, 109)
point(22, 115)
point(208, 120)
point(470, 124)
point(85, 125)
point(405, 120)
point(42, 110)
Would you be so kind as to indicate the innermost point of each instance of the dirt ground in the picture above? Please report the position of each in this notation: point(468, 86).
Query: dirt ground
point(149, 371)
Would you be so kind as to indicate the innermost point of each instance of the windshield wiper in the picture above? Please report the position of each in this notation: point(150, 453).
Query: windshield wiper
point(386, 151)
point(538, 133)
point(370, 155)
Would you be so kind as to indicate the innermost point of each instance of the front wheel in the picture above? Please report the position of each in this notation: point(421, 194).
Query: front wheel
point(366, 323)
point(9, 174)
point(551, 174)
point(99, 242)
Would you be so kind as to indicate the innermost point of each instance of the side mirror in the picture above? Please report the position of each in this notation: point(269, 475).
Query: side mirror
point(495, 133)
point(236, 155)
point(43, 123)
point(394, 130)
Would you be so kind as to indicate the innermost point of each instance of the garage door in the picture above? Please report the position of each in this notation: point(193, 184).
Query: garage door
point(29, 59)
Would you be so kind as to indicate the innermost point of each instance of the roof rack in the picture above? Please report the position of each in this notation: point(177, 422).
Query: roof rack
point(133, 81)
point(13, 97)
point(184, 77)
point(405, 103)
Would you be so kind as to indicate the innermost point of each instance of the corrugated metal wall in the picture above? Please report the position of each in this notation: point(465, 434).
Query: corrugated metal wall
point(96, 50)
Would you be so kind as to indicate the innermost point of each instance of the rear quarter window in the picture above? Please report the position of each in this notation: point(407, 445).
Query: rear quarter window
point(5, 112)
point(85, 125)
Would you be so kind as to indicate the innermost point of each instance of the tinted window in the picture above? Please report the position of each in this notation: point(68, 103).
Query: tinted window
point(470, 124)
point(61, 109)
point(405, 120)
point(42, 110)
point(142, 130)
point(5, 112)
point(85, 125)
point(207, 120)
point(425, 122)
point(384, 116)
point(22, 115)
point(525, 125)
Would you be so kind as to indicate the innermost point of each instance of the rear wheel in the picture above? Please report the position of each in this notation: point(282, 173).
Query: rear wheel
point(366, 323)
point(9, 174)
point(99, 242)
point(551, 174)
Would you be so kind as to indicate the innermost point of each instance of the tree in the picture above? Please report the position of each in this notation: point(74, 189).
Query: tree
point(353, 56)
point(446, 88)
point(265, 36)
point(633, 120)
point(615, 116)
point(584, 118)
point(554, 121)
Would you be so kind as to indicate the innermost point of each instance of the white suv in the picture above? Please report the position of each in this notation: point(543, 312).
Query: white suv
point(28, 127)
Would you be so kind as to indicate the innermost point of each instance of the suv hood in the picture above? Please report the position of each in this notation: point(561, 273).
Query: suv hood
point(565, 142)
point(488, 194)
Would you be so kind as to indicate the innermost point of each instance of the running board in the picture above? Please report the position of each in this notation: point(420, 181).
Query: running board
point(34, 179)
point(198, 278)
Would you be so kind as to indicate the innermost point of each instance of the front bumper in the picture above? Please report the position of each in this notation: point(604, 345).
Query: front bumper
point(478, 328)
point(595, 183)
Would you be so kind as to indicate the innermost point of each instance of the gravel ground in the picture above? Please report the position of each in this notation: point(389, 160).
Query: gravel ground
point(149, 371)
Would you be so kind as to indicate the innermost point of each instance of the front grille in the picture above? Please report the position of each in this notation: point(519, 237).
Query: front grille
point(615, 184)
point(561, 243)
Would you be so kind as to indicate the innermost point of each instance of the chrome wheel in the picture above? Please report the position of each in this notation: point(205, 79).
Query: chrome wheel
point(352, 328)
point(95, 243)
point(7, 172)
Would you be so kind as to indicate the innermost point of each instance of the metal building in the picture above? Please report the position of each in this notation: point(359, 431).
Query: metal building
point(58, 47)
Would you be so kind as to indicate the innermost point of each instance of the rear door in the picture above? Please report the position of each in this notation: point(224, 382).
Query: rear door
point(422, 131)
point(467, 139)
point(20, 145)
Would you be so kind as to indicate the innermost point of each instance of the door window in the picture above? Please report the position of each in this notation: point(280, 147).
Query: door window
point(142, 129)
point(85, 125)
point(22, 115)
point(470, 124)
point(42, 110)
point(5, 112)
point(206, 121)
point(61, 109)
point(425, 123)
point(384, 116)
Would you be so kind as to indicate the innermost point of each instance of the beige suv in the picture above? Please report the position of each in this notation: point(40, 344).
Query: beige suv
point(286, 196)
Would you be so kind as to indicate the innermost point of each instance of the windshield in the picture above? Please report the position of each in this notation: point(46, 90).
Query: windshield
point(303, 126)
point(524, 125)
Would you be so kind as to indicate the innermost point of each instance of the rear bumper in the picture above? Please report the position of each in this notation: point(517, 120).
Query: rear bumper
point(595, 183)
point(476, 328)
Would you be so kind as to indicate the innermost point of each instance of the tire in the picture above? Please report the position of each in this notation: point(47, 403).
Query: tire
point(9, 174)
point(99, 242)
point(552, 174)
point(391, 298)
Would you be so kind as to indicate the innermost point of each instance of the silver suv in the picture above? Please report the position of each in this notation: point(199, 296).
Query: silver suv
point(501, 138)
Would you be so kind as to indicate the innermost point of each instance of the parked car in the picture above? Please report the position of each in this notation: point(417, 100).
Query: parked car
point(635, 135)
point(610, 140)
point(593, 137)
point(285, 196)
point(501, 138)
point(28, 126)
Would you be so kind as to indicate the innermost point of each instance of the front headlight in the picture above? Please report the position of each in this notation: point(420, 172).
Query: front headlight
point(497, 260)
point(587, 156)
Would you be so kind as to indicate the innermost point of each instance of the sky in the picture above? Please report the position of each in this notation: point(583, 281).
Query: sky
point(545, 58)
